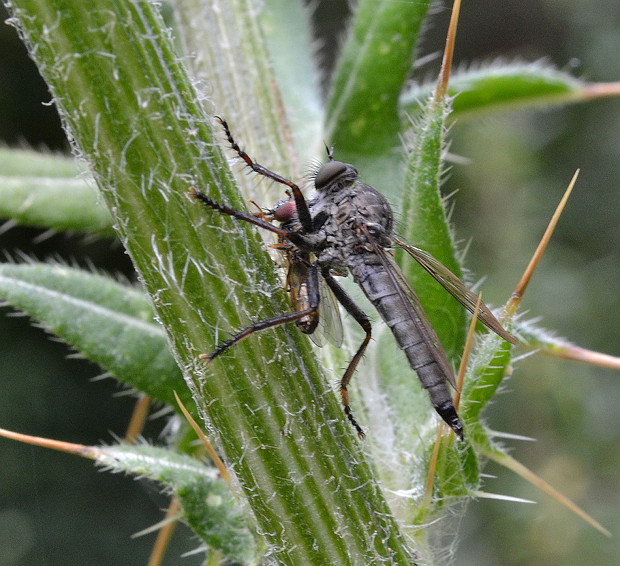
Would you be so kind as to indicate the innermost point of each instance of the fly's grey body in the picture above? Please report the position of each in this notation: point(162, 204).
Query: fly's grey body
point(358, 225)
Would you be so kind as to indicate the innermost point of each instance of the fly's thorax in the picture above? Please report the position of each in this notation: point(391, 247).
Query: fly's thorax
point(376, 211)
point(343, 215)
point(350, 218)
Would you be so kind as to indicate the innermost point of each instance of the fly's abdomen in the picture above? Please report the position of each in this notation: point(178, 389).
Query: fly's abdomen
point(410, 334)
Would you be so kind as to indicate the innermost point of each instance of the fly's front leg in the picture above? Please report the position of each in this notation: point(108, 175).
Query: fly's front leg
point(360, 317)
point(313, 286)
point(303, 213)
point(292, 236)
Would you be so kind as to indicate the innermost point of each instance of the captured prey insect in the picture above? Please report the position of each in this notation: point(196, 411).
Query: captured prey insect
point(327, 327)
point(346, 228)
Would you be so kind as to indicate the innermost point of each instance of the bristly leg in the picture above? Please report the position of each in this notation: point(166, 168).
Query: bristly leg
point(257, 327)
point(303, 213)
point(271, 322)
point(294, 237)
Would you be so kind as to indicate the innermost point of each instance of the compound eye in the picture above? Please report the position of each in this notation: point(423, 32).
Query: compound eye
point(329, 173)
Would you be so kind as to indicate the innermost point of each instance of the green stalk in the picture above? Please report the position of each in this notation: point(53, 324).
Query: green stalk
point(132, 112)
point(271, 109)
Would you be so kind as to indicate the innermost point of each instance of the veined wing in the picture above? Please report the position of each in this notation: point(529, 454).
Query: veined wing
point(413, 308)
point(330, 323)
point(456, 288)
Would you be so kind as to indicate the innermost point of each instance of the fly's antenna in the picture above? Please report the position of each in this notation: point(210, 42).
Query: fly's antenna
point(330, 151)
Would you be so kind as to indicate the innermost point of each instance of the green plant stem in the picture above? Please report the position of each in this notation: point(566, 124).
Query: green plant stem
point(132, 112)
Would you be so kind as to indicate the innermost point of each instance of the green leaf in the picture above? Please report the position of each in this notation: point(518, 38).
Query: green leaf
point(363, 117)
point(45, 191)
point(503, 86)
point(486, 371)
point(108, 323)
point(424, 223)
point(206, 502)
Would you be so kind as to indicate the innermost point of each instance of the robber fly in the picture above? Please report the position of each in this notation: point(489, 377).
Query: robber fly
point(346, 228)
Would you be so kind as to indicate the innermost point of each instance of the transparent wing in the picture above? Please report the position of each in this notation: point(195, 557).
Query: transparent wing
point(456, 288)
point(330, 324)
point(324, 325)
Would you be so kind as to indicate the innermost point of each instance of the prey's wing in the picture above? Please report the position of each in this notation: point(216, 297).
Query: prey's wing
point(413, 308)
point(323, 325)
point(330, 323)
point(456, 288)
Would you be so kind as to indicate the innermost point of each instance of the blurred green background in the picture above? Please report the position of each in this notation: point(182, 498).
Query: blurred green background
point(56, 510)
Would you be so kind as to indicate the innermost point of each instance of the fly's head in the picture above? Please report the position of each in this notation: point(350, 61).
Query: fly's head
point(335, 175)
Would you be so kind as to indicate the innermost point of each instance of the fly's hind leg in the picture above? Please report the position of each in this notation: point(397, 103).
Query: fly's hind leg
point(360, 317)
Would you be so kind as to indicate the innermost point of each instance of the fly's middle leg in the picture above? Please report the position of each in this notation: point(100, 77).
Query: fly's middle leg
point(360, 317)
point(292, 236)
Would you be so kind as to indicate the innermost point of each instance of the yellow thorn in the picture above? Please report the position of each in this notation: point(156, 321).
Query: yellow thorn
point(577, 354)
point(521, 470)
point(460, 378)
point(446, 64)
point(138, 418)
point(205, 441)
point(517, 295)
point(69, 447)
point(165, 533)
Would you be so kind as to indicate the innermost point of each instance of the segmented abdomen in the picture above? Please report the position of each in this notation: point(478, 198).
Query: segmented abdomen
point(402, 319)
